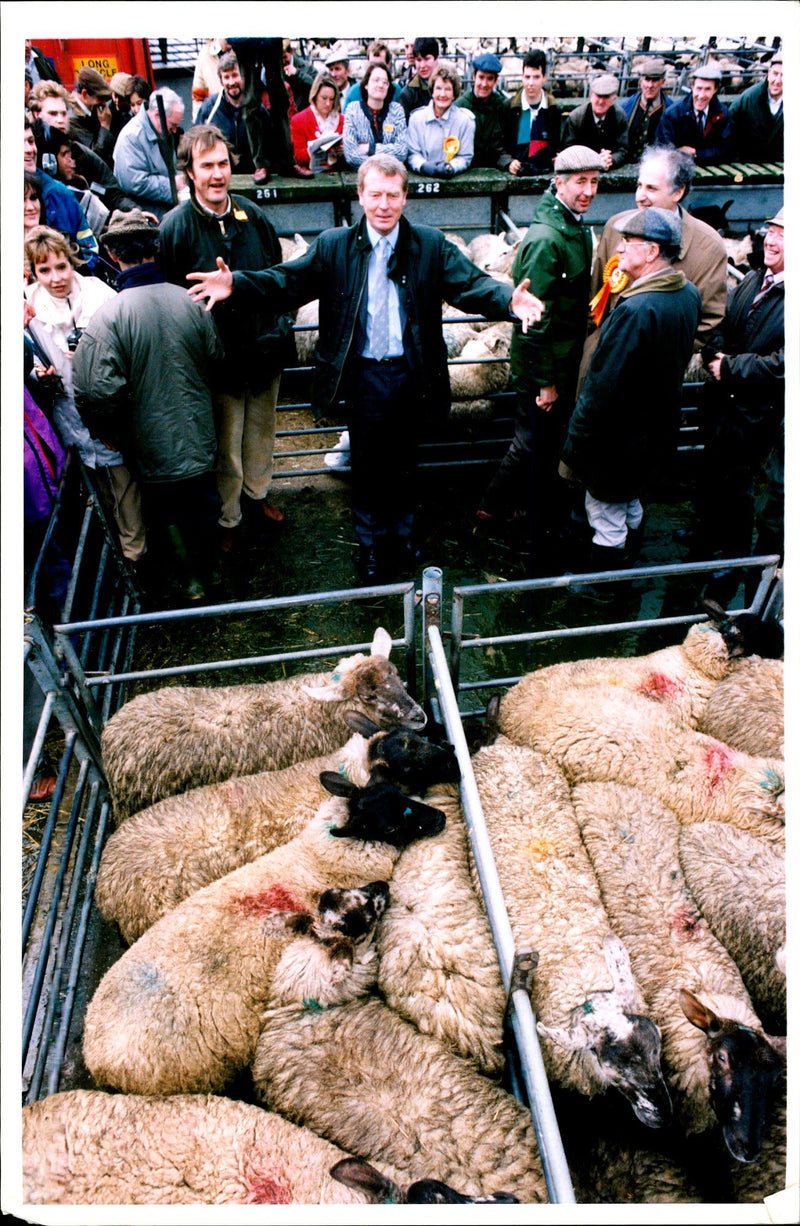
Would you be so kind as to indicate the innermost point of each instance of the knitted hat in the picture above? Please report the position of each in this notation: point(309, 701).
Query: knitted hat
point(123, 225)
point(576, 158)
point(338, 54)
point(118, 83)
point(486, 62)
point(604, 86)
point(655, 70)
point(707, 72)
point(92, 81)
point(657, 225)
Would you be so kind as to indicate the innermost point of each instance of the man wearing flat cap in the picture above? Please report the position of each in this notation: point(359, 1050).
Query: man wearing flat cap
point(556, 255)
point(757, 117)
point(645, 108)
point(488, 107)
point(624, 428)
point(699, 124)
point(601, 124)
point(90, 121)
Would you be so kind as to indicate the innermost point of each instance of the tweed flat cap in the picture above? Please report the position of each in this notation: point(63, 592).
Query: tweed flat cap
point(707, 72)
point(657, 225)
point(118, 83)
point(654, 70)
point(576, 158)
point(338, 54)
point(486, 62)
point(605, 85)
point(122, 224)
point(92, 81)
point(777, 220)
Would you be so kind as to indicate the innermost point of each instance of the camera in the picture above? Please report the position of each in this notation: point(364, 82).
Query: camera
point(73, 337)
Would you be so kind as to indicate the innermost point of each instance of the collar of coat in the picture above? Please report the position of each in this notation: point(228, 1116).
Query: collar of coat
point(666, 282)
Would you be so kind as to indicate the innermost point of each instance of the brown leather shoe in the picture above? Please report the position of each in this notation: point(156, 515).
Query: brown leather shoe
point(273, 513)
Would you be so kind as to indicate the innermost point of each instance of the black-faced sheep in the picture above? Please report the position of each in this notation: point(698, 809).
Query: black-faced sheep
point(739, 883)
point(590, 1010)
point(180, 737)
point(163, 854)
point(179, 1011)
point(368, 1081)
point(437, 964)
point(746, 710)
point(632, 840)
point(85, 1147)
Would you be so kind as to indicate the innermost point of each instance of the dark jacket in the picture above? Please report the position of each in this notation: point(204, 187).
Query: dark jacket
point(230, 120)
point(427, 270)
point(556, 254)
point(678, 127)
point(143, 373)
point(100, 178)
point(89, 131)
point(757, 133)
point(490, 148)
point(580, 128)
point(642, 132)
point(548, 132)
point(416, 94)
point(257, 343)
point(624, 428)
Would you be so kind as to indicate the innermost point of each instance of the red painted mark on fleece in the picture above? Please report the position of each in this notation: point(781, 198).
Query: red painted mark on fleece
point(660, 687)
point(719, 761)
point(683, 921)
point(265, 1190)
point(266, 902)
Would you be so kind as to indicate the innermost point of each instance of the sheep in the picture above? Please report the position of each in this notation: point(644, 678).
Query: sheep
point(179, 737)
point(485, 249)
point(306, 342)
point(86, 1147)
point(163, 854)
point(437, 965)
point(739, 883)
point(480, 378)
point(179, 1011)
point(588, 1005)
point(604, 733)
point(632, 841)
point(746, 708)
point(369, 1081)
point(291, 248)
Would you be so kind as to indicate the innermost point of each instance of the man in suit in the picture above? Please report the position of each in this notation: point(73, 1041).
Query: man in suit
point(699, 124)
point(645, 108)
point(600, 124)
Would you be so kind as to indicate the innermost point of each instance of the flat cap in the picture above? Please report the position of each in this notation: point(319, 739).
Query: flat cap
point(118, 83)
point(576, 158)
point(486, 62)
point(134, 221)
point(604, 85)
point(777, 220)
point(92, 81)
point(657, 225)
point(777, 58)
point(654, 70)
point(338, 54)
point(707, 72)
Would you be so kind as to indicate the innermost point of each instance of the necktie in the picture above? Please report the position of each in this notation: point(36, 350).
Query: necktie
point(701, 122)
point(766, 285)
point(380, 306)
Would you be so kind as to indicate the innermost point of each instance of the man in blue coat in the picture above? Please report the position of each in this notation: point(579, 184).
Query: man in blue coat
point(699, 123)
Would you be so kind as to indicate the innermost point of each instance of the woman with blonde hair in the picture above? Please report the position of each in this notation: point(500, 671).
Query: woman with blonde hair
point(321, 121)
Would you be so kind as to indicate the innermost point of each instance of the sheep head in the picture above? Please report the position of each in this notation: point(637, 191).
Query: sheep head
point(380, 1190)
point(404, 758)
point(744, 1069)
point(373, 683)
point(620, 1047)
point(745, 634)
point(381, 813)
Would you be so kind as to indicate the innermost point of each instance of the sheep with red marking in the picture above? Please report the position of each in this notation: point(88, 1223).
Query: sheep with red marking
point(163, 854)
point(746, 709)
point(180, 737)
point(632, 841)
point(179, 1011)
point(85, 1147)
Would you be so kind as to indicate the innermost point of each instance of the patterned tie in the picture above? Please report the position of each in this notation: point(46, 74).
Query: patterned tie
point(766, 285)
point(380, 305)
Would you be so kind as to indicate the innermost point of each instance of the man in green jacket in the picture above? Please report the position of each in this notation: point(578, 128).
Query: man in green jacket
point(488, 107)
point(556, 254)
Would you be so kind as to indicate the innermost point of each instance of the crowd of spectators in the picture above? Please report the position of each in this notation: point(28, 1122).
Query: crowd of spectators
point(120, 204)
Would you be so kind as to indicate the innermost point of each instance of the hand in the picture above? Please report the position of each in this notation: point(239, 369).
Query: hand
point(688, 149)
point(45, 373)
point(430, 168)
point(104, 115)
point(214, 286)
point(28, 312)
point(715, 366)
point(606, 157)
point(547, 397)
point(566, 473)
point(448, 170)
point(525, 306)
point(513, 167)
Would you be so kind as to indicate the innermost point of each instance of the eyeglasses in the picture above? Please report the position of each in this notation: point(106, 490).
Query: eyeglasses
point(633, 242)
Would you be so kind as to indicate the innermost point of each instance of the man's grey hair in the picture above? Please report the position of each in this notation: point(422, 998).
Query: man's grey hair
point(172, 101)
point(680, 166)
point(387, 164)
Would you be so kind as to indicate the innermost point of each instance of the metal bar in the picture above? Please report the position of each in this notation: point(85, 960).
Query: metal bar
point(551, 1150)
point(431, 612)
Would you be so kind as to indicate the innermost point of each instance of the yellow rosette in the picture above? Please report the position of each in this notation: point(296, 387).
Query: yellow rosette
point(614, 280)
point(451, 146)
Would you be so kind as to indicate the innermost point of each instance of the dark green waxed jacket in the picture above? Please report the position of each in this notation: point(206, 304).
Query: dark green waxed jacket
point(556, 254)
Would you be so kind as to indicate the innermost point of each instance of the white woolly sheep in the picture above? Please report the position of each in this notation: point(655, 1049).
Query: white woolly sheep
point(179, 1011)
point(739, 883)
point(746, 709)
point(370, 1082)
point(487, 249)
point(163, 854)
point(479, 378)
point(179, 737)
point(607, 734)
point(588, 1005)
point(85, 1147)
point(632, 840)
point(437, 964)
point(306, 342)
point(291, 248)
